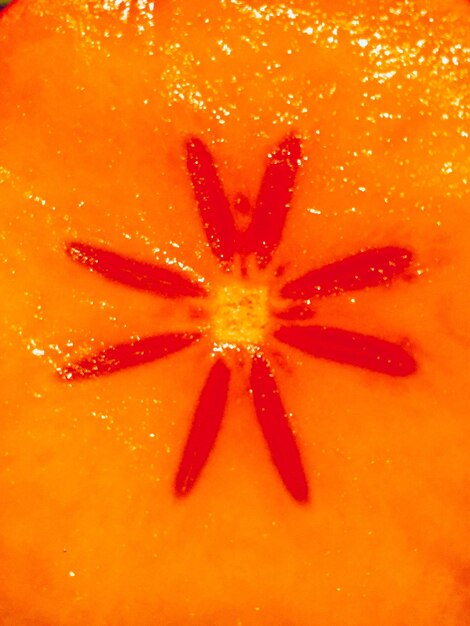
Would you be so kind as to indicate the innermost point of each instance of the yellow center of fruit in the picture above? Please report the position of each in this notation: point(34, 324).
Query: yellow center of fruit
point(240, 315)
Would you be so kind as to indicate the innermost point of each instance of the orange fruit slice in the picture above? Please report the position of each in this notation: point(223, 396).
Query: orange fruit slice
point(282, 191)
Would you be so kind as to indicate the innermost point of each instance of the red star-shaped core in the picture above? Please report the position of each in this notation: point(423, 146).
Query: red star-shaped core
point(241, 315)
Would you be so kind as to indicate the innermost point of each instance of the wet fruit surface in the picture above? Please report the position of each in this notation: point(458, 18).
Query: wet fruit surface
point(113, 116)
point(237, 325)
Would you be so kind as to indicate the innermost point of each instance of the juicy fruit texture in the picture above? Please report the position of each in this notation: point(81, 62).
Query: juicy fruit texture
point(98, 102)
point(238, 325)
point(241, 315)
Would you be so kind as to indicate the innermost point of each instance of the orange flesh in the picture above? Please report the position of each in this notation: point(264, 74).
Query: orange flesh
point(97, 102)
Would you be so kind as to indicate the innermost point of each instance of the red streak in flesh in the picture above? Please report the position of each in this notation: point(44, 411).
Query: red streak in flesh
point(273, 202)
point(277, 430)
point(371, 268)
point(205, 428)
point(125, 355)
point(348, 347)
point(213, 204)
point(137, 274)
point(297, 312)
point(242, 213)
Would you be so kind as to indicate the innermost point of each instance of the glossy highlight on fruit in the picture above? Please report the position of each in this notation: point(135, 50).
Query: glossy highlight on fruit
point(240, 320)
point(234, 321)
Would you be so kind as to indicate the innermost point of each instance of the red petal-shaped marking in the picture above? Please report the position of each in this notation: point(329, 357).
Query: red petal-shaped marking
point(214, 207)
point(297, 312)
point(273, 202)
point(348, 347)
point(242, 214)
point(277, 431)
point(365, 269)
point(125, 355)
point(205, 427)
point(136, 274)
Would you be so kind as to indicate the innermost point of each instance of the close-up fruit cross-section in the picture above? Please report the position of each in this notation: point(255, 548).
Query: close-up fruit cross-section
point(240, 315)
point(234, 315)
